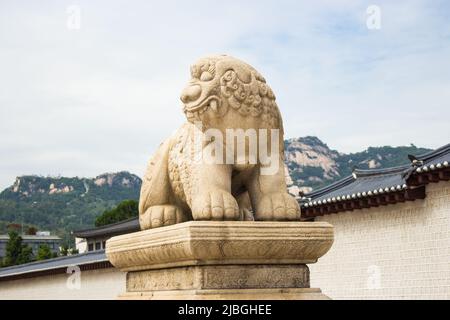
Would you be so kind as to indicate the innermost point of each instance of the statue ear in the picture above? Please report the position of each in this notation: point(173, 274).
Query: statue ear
point(242, 70)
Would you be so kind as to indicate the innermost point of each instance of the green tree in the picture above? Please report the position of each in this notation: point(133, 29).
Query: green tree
point(16, 251)
point(64, 250)
point(44, 252)
point(125, 210)
point(26, 255)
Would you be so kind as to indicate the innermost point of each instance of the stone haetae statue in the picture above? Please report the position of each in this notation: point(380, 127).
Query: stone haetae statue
point(224, 98)
point(225, 163)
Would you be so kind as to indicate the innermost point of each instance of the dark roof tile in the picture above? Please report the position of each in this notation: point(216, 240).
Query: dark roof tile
point(126, 226)
point(378, 181)
point(56, 263)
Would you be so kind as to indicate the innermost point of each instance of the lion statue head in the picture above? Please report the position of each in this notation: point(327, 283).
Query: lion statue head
point(224, 91)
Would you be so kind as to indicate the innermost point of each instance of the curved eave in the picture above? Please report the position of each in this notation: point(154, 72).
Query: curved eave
point(429, 174)
point(330, 188)
point(85, 261)
point(362, 173)
point(380, 199)
point(358, 191)
point(435, 166)
point(126, 226)
point(444, 150)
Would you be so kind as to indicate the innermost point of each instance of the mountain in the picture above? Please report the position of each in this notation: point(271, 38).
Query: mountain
point(312, 164)
point(64, 204)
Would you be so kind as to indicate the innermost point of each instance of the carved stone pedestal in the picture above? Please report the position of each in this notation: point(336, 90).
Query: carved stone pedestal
point(221, 260)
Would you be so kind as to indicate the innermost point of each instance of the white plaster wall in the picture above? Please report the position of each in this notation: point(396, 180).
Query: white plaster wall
point(81, 245)
point(400, 251)
point(94, 284)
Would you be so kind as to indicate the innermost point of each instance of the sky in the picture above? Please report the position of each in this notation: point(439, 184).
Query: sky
point(88, 87)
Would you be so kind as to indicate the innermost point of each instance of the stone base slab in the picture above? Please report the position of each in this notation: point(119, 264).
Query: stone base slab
point(220, 242)
point(221, 260)
point(229, 294)
point(219, 277)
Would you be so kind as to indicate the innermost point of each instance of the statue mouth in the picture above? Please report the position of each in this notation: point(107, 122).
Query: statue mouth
point(194, 111)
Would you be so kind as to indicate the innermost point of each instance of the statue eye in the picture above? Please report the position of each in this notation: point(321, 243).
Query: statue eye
point(206, 76)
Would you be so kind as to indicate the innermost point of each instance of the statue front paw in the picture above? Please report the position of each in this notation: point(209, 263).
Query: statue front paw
point(159, 216)
point(215, 205)
point(277, 207)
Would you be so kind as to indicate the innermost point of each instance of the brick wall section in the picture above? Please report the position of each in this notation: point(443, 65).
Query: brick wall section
point(400, 251)
point(101, 284)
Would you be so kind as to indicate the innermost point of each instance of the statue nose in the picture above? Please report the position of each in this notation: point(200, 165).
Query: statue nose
point(191, 93)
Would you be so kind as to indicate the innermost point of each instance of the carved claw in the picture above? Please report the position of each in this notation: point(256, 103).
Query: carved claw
point(277, 207)
point(159, 216)
point(246, 214)
point(215, 205)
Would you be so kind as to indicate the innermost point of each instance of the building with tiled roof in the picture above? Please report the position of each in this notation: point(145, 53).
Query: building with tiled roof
point(392, 230)
point(94, 239)
point(378, 187)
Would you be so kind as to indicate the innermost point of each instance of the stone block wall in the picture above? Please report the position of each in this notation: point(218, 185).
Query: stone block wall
point(399, 251)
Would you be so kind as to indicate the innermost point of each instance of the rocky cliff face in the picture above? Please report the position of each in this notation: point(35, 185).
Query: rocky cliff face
point(312, 164)
point(32, 186)
point(62, 204)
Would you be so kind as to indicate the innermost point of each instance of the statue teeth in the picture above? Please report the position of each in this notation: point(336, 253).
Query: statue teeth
point(213, 105)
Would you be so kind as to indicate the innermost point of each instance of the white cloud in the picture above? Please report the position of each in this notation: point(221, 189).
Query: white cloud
point(102, 98)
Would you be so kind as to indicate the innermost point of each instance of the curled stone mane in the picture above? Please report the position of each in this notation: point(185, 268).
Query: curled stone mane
point(254, 98)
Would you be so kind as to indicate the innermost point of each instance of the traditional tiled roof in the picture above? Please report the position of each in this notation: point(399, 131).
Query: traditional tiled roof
point(122, 227)
point(375, 187)
point(431, 167)
point(85, 261)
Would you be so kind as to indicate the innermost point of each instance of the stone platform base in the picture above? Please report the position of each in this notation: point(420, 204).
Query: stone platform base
point(229, 294)
point(221, 260)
